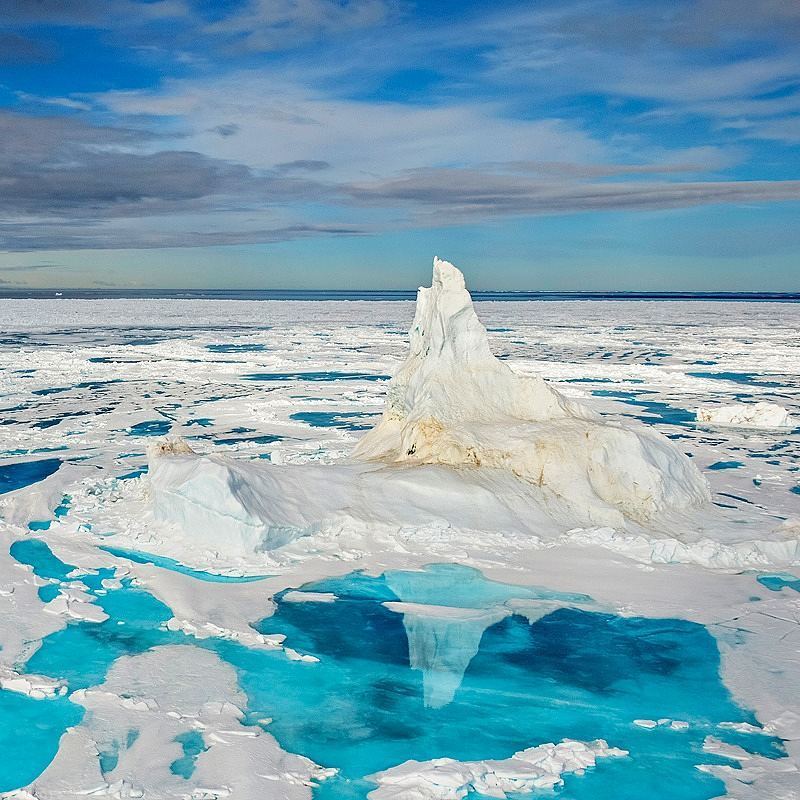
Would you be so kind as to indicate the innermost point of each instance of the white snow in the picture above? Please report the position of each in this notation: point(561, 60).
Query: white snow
point(540, 767)
point(309, 597)
point(37, 686)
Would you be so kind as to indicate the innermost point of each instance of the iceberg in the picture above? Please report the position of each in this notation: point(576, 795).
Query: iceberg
point(763, 416)
point(453, 402)
point(463, 440)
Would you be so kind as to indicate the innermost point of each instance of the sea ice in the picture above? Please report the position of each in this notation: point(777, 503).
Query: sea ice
point(137, 717)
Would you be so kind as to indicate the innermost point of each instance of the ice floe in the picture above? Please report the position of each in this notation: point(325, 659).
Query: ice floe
point(130, 739)
point(540, 767)
point(761, 415)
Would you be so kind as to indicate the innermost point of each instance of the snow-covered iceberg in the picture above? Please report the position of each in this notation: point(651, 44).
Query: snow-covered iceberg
point(764, 416)
point(453, 402)
point(463, 439)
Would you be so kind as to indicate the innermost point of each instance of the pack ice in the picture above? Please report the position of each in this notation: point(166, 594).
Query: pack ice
point(463, 438)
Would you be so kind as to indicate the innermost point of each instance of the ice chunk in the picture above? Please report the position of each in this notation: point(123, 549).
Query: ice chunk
point(441, 643)
point(538, 767)
point(748, 415)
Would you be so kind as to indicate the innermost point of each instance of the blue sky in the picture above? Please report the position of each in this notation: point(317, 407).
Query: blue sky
point(606, 144)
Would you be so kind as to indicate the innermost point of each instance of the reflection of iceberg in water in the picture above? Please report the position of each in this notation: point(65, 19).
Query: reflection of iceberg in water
point(443, 639)
point(441, 643)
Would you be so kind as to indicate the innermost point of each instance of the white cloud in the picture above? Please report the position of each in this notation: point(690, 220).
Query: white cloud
point(280, 122)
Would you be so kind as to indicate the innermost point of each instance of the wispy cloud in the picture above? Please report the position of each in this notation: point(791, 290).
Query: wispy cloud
point(268, 25)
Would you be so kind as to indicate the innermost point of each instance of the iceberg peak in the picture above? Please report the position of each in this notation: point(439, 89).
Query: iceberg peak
point(453, 402)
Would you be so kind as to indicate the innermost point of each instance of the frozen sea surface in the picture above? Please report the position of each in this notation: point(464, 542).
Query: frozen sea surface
point(412, 663)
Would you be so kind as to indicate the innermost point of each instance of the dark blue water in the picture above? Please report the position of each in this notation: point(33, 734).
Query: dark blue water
point(236, 348)
point(657, 411)
point(268, 438)
point(571, 673)
point(718, 465)
point(134, 473)
point(25, 473)
point(745, 378)
point(154, 427)
point(347, 420)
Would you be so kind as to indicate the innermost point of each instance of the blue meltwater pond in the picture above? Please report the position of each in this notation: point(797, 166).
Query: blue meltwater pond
point(24, 473)
point(425, 664)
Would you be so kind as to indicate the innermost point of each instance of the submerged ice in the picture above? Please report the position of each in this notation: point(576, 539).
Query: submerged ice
point(452, 402)
point(545, 671)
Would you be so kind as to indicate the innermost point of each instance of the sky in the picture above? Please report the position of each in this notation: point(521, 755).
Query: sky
point(597, 145)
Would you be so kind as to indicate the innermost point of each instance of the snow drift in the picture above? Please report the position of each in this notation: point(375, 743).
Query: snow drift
point(463, 439)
